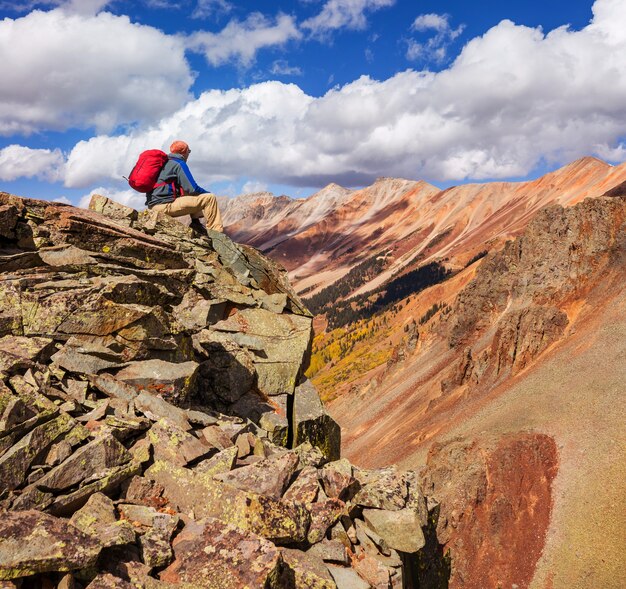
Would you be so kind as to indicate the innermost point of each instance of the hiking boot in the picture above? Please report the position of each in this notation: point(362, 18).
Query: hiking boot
point(197, 226)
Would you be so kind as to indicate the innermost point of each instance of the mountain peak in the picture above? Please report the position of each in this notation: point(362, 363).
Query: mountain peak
point(586, 162)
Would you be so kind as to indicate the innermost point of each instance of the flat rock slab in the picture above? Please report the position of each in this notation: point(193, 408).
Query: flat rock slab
point(400, 529)
point(213, 555)
point(93, 458)
point(30, 348)
point(32, 542)
point(222, 462)
point(173, 382)
point(198, 493)
point(347, 578)
point(268, 477)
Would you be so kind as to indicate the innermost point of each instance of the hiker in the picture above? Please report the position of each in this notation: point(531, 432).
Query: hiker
point(176, 193)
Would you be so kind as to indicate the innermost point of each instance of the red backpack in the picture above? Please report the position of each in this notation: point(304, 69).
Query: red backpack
point(145, 174)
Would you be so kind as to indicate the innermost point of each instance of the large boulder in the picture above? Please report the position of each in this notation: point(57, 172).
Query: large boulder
point(34, 542)
point(214, 555)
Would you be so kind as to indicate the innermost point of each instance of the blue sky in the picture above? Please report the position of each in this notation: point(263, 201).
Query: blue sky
point(288, 96)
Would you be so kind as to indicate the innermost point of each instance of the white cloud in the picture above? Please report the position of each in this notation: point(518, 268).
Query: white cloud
point(339, 14)
point(86, 7)
point(611, 154)
point(240, 41)
point(73, 70)
point(436, 22)
point(62, 199)
point(17, 161)
point(130, 198)
point(514, 97)
point(207, 8)
point(252, 186)
point(435, 48)
point(282, 68)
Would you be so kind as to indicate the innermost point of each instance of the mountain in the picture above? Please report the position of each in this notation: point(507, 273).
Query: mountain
point(478, 333)
point(321, 238)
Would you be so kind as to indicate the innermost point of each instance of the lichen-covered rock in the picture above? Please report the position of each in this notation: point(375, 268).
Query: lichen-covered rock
point(197, 493)
point(387, 489)
point(220, 463)
point(337, 479)
point(176, 445)
point(109, 208)
point(400, 529)
point(268, 477)
point(285, 341)
point(98, 518)
point(213, 555)
point(323, 515)
point(312, 424)
point(306, 486)
point(173, 382)
point(32, 542)
point(304, 570)
point(15, 462)
point(156, 551)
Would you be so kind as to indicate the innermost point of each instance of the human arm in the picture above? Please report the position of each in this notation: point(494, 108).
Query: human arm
point(186, 181)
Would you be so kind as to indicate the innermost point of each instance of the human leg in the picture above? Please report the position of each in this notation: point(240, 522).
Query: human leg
point(202, 205)
point(183, 205)
point(211, 212)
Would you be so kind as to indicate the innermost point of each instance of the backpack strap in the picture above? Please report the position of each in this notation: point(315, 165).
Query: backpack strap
point(172, 185)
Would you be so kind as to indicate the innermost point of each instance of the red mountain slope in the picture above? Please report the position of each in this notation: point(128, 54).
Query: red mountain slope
point(320, 238)
point(520, 388)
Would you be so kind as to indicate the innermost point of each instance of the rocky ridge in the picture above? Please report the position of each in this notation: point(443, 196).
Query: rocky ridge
point(156, 429)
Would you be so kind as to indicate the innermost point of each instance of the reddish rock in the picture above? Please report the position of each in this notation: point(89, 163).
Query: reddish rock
point(496, 499)
point(213, 555)
point(173, 382)
point(268, 477)
point(323, 515)
point(33, 542)
point(337, 479)
point(306, 486)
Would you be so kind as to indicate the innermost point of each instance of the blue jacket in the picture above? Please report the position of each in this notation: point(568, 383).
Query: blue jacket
point(175, 180)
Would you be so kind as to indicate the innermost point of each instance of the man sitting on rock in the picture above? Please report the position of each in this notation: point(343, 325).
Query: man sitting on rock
point(176, 193)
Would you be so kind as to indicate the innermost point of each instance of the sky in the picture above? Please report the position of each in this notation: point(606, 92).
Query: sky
point(290, 96)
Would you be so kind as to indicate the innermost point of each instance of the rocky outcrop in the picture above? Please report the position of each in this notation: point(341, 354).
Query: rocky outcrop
point(155, 426)
point(514, 309)
point(496, 499)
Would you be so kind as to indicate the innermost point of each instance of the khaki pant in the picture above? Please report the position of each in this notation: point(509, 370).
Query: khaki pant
point(202, 205)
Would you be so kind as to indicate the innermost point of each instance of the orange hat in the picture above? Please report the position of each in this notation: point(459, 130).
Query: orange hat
point(179, 147)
